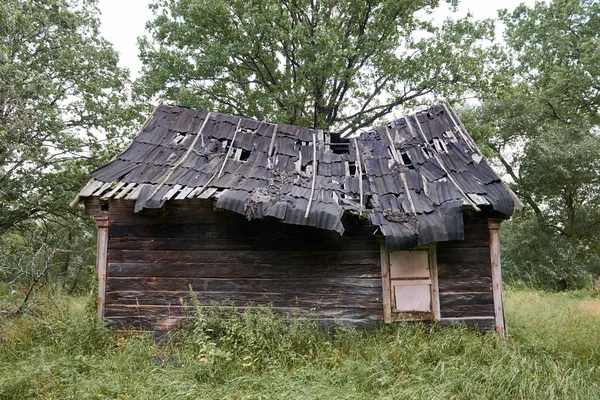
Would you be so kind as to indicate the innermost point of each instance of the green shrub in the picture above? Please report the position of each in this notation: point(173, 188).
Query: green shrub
point(544, 259)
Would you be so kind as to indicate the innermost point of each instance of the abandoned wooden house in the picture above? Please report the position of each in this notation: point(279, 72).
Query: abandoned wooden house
point(400, 223)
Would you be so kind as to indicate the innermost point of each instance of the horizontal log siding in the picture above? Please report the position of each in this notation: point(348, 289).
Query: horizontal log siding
point(465, 277)
point(154, 257)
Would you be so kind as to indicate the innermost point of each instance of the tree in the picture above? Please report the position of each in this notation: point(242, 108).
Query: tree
point(63, 111)
point(544, 132)
point(61, 91)
point(339, 64)
point(556, 48)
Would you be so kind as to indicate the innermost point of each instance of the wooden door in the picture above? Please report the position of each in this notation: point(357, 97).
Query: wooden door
point(413, 284)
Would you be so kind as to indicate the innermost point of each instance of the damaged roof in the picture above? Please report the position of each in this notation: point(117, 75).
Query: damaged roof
point(410, 178)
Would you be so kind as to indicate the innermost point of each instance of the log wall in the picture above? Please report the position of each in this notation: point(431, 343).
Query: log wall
point(154, 257)
point(465, 277)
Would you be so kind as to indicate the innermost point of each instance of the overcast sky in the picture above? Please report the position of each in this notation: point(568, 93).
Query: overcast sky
point(123, 21)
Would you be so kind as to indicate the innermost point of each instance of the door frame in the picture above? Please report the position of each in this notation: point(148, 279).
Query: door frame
point(389, 314)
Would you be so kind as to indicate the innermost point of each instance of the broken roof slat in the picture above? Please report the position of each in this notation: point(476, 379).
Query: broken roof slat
point(90, 187)
point(424, 165)
point(125, 190)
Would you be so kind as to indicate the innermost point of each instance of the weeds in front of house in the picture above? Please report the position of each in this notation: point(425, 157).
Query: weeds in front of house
point(62, 353)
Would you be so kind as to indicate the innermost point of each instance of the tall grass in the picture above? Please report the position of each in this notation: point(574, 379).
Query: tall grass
point(553, 352)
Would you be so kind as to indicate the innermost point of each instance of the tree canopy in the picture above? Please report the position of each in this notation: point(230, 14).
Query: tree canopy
point(327, 63)
point(62, 102)
point(60, 88)
point(544, 132)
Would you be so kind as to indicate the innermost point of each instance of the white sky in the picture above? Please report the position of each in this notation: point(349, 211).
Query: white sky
point(123, 21)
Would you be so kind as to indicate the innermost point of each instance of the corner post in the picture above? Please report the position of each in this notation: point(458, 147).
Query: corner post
point(385, 281)
point(494, 228)
point(435, 288)
point(102, 223)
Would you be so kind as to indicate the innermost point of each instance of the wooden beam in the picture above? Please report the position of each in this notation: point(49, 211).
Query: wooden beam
point(314, 175)
point(102, 222)
point(385, 283)
point(228, 155)
point(439, 160)
point(494, 228)
point(398, 159)
point(435, 290)
point(189, 151)
point(360, 175)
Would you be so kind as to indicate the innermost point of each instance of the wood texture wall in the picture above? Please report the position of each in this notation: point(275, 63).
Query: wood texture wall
point(154, 257)
point(465, 277)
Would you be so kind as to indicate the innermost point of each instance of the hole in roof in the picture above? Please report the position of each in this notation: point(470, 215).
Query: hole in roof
point(245, 155)
point(340, 148)
point(352, 167)
point(406, 159)
point(178, 139)
point(338, 144)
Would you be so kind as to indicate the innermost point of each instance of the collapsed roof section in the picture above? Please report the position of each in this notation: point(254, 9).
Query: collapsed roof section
point(410, 177)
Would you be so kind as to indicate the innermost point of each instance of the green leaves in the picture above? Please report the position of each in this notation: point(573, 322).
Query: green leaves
point(339, 64)
point(61, 92)
point(556, 46)
point(63, 111)
point(544, 131)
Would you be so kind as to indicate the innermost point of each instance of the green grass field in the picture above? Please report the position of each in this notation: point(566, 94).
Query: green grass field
point(553, 352)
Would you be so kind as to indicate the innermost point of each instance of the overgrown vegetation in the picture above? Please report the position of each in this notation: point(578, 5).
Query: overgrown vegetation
point(552, 352)
point(64, 110)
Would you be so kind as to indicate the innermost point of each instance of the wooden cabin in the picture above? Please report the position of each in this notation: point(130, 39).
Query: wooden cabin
point(399, 223)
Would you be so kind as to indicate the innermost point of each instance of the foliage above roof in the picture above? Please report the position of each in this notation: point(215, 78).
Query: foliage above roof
point(410, 177)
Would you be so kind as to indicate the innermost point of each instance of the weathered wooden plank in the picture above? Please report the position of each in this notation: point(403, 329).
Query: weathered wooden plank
point(102, 222)
point(115, 189)
point(500, 323)
point(463, 255)
point(472, 310)
point(196, 211)
point(212, 270)
point(129, 205)
point(385, 283)
point(316, 286)
point(238, 242)
point(147, 310)
point(274, 233)
point(468, 242)
point(474, 217)
point(466, 284)
point(90, 187)
point(448, 300)
point(292, 299)
point(435, 285)
point(241, 257)
point(201, 215)
point(475, 231)
point(125, 191)
point(467, 270)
